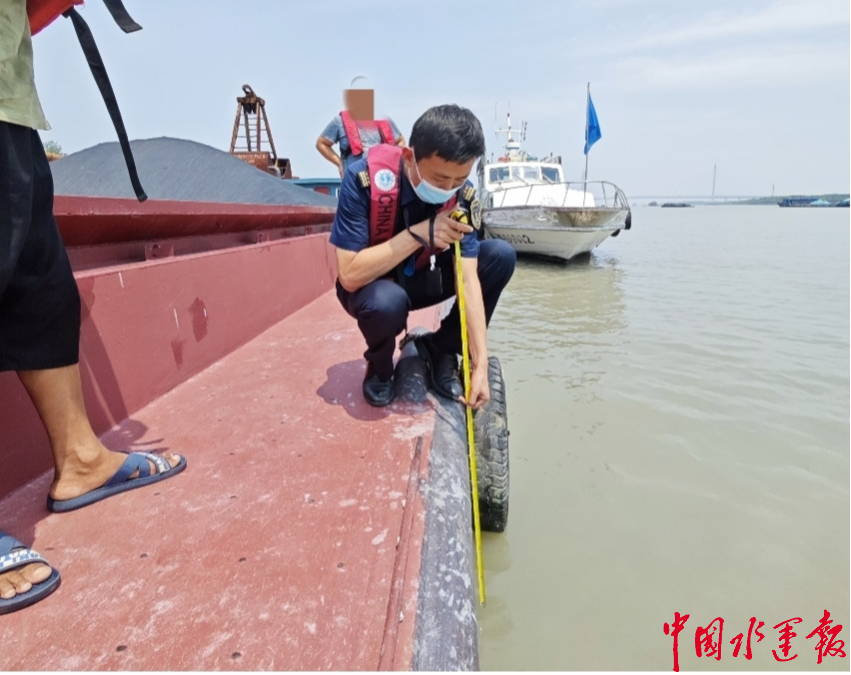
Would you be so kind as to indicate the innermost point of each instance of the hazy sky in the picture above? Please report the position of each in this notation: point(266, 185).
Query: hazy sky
point(760, 88)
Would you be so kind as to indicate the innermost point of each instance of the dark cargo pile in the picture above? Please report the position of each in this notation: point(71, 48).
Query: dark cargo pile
point(175, 169)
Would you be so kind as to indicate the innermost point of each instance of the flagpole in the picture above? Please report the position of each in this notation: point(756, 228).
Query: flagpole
point(585, 183)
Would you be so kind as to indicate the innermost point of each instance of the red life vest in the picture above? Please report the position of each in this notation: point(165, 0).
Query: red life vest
point(41, 13)
point(352, 134)
point(384, 166)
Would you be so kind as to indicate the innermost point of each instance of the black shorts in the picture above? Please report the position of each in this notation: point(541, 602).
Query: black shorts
point(39, 300)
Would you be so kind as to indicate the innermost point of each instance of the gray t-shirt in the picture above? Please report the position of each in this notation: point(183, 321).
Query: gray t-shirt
point(369, 136)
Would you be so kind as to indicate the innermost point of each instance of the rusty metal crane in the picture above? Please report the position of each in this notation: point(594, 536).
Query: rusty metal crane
point(248, 146)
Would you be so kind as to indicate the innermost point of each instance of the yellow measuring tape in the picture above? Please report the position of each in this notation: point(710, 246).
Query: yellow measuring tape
point(471, 437)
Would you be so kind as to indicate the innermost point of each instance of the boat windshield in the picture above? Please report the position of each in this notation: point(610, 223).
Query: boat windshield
point(551, 174)
point(499, 173)
point(525, 173)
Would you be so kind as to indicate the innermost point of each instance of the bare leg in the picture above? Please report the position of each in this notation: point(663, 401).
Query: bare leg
point(81, 461)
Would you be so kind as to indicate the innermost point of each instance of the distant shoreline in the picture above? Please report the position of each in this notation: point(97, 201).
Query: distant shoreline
point(833, 198)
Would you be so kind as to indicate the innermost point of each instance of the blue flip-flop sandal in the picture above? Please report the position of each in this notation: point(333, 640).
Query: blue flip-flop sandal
point(121, 481)
point(14, 554)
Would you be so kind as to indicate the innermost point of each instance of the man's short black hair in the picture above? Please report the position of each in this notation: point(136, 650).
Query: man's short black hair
point(449, 131)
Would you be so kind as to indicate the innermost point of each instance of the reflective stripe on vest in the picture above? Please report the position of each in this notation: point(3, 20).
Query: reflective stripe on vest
point(351, 128)
point(384, 164)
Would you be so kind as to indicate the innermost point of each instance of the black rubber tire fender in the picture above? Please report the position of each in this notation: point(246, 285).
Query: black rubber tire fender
point(491, 431)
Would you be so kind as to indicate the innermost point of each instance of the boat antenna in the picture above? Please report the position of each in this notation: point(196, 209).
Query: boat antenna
point(513, 139)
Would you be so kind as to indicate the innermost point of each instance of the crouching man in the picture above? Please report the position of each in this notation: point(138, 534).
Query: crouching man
point(395, 252)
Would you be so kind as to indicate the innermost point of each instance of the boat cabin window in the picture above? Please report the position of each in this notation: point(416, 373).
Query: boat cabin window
point(551, 174)
point(498, 173)
point(526, 173)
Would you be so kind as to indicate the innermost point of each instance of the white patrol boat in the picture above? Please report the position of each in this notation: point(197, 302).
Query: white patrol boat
point(526, 202)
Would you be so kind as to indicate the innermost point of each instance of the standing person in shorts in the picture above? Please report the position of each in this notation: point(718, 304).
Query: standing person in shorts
point(40, 322)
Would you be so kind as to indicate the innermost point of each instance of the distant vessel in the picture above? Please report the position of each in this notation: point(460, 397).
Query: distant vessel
point(803, 202)
point(677, 205)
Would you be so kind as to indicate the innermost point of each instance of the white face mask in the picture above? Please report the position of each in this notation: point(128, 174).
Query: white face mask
point(431, 194)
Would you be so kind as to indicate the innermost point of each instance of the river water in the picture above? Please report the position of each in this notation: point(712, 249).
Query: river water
point(679, 415)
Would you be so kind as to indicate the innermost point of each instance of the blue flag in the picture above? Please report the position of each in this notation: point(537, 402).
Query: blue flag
point(592, 128)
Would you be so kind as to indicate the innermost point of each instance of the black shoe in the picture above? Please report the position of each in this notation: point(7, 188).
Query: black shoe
point(377, 392)
point(442, 367)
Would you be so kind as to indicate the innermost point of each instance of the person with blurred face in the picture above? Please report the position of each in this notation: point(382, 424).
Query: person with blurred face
point(355, 130)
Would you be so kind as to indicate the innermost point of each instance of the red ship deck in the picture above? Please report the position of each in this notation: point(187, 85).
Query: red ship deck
point(276, 549)
point(310, 531)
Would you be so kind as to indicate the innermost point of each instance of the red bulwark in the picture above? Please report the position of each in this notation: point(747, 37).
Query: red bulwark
point(89, 221)
point(149, 326)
